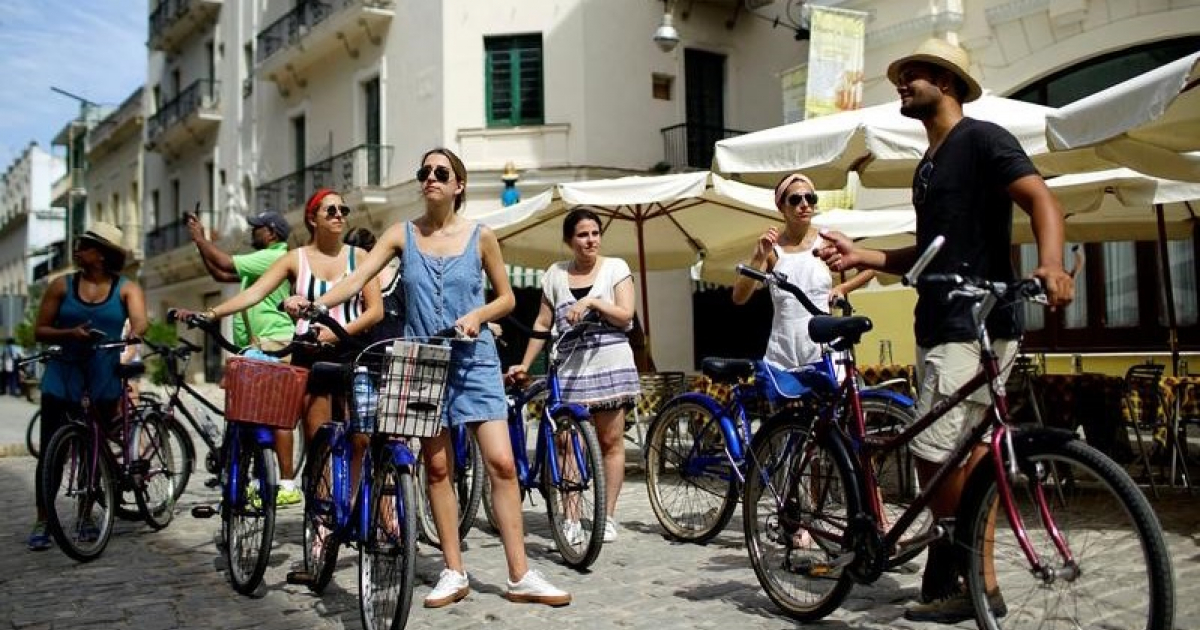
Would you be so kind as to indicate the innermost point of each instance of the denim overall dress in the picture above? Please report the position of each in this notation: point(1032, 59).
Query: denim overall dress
point(438, 291)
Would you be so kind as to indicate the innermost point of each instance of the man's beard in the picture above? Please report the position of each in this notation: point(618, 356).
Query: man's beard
point(918, 109)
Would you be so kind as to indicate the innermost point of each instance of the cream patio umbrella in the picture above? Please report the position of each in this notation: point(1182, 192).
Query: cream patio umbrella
point(1150, 123)
point(654, 223)
point(878, 143)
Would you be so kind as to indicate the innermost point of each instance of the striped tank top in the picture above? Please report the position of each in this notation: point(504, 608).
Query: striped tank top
point(310, 287)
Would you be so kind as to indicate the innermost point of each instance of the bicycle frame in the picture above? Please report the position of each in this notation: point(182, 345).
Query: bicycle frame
point(529, 475)
point(352, 517)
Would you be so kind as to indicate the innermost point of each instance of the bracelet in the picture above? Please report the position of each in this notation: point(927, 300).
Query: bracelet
point(210, 314)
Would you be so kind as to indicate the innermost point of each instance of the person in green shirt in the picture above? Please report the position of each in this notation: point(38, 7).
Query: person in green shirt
point(269, 327)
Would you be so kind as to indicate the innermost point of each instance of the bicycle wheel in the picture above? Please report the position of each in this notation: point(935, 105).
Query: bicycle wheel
point(468, 489)
point(692, 488)
point(248, 517)
point(152, 474)
point(576, 503)
point(33, 434)
point(320, 542)
point(896, 474)
point(183, 452)
point(77, 491)
point(796, 510)
point(1100, 514)
point(387, 556)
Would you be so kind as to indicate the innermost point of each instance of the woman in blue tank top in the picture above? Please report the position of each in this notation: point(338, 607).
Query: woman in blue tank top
point(444, 260)
point(94, 298)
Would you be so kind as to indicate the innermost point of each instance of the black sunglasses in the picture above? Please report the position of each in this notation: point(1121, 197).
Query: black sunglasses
point(809, 198)
point(336, 211)
point(441, 173)
point(922, 187)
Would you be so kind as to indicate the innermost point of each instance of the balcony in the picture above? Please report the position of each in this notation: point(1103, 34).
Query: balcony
point(71, 184)
point(173, 22)
point(116, 127)
point(355, 174)
point(315, 30)
point(190, 117)
point(689, 146)
point(166, 238)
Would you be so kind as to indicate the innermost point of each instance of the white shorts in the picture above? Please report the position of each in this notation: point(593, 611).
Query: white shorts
point(941, 370)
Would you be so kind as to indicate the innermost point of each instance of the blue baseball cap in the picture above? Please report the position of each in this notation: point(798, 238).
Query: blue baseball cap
point(273, 220)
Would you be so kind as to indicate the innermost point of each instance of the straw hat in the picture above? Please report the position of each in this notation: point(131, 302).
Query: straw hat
point(107, 236)
point(942, 54)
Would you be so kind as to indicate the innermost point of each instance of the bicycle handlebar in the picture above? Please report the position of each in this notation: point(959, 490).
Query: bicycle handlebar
point(774, 277)
point(210, 327)
point(591, 321)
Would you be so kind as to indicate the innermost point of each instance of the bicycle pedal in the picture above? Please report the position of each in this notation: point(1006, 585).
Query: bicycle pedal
point(203, 511)
point(212, 482)
point(299, 578)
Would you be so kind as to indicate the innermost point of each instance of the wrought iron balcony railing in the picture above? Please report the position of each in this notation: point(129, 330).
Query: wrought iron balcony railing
point(363, 166)
point(166, 238)
point(689, 146)
point(202, 94)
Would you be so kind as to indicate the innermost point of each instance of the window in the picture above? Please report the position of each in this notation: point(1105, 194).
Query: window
point(298, 156)
point(374, 130)
point(513, 76)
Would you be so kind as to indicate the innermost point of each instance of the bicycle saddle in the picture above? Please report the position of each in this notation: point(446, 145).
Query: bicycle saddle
point(327, 378)
point(848, 330)
point(727, 370)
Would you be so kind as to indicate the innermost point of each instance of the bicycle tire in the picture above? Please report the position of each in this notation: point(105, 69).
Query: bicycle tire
point(468, 490)
point(153, 477)
point(248, 519)
point(896, 474)
point(183, 449)
point(793, 563)
point(388, 553)
point(576, 443)
point(78, 492)
point(693, 491)
point(33, 434)
point(320, 525)
point(1101, 514)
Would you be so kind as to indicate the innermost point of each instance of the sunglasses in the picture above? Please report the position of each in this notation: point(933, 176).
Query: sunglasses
point(809, 198)
point(441, 173)
point(82, 243)
point(922, 188)
point(336, 211)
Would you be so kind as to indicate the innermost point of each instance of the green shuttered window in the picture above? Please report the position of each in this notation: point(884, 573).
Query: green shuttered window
point(514, 80)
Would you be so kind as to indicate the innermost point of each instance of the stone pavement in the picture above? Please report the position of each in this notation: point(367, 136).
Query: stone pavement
point(172, 579)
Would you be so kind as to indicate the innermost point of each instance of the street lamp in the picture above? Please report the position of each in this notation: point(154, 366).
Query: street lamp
point(665, 36)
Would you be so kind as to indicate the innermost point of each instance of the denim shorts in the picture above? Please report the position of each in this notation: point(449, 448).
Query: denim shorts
point(474, 393)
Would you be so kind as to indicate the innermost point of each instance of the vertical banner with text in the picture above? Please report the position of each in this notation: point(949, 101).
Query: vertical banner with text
point(835, 73)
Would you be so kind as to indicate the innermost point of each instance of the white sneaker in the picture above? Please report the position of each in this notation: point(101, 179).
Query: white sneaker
point(573, 532)
point(451, 587)
point(610, 530)
point(534, 589)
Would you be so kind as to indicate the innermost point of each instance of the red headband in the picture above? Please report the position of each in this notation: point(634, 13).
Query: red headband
point(314, 202)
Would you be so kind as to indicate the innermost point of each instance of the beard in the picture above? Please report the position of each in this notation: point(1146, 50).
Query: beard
point(918, 108)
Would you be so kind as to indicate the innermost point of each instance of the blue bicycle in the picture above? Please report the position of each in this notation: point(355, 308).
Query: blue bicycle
point(698, 448)
point(566, 468)
point(359, 487)
point(467, 475)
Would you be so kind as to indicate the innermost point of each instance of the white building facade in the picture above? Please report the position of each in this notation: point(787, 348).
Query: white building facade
point(28, 224)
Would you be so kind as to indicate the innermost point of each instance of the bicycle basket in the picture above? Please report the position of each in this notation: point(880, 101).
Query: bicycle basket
point(264, 392)
point(412, 393)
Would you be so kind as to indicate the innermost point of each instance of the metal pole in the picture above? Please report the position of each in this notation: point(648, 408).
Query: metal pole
point(1168, 291)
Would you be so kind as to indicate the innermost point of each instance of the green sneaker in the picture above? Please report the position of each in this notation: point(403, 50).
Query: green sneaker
point(284, 497)
point(953, 609)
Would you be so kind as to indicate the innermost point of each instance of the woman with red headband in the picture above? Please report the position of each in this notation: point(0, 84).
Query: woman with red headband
point(445, 260)
point(313, 270)
point(790, 252)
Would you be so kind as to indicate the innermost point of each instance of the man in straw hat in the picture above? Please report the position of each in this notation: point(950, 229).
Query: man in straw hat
point(963, 188)
point(77, 308)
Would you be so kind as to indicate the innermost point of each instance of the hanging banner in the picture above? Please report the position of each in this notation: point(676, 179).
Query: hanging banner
point(835, 61)
point(794, 84)
point(836, 49)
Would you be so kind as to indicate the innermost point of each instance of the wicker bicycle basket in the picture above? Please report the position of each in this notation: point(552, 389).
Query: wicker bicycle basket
point(413, 388)
point(264, 392)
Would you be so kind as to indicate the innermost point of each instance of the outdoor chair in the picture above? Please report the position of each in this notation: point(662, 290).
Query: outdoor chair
point(1143, 406)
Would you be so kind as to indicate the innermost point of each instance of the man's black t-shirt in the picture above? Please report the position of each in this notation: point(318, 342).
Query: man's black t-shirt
point(960, 193)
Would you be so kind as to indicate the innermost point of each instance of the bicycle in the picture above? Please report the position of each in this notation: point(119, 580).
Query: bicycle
point(697, 448)
point(814, 525)
point(246, 464)
point(33, 430)
point(371, 504)
point(91, 461)
point(566, 468)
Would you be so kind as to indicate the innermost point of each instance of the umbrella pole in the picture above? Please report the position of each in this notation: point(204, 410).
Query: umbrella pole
point(1169, 291)
point(641, 242)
